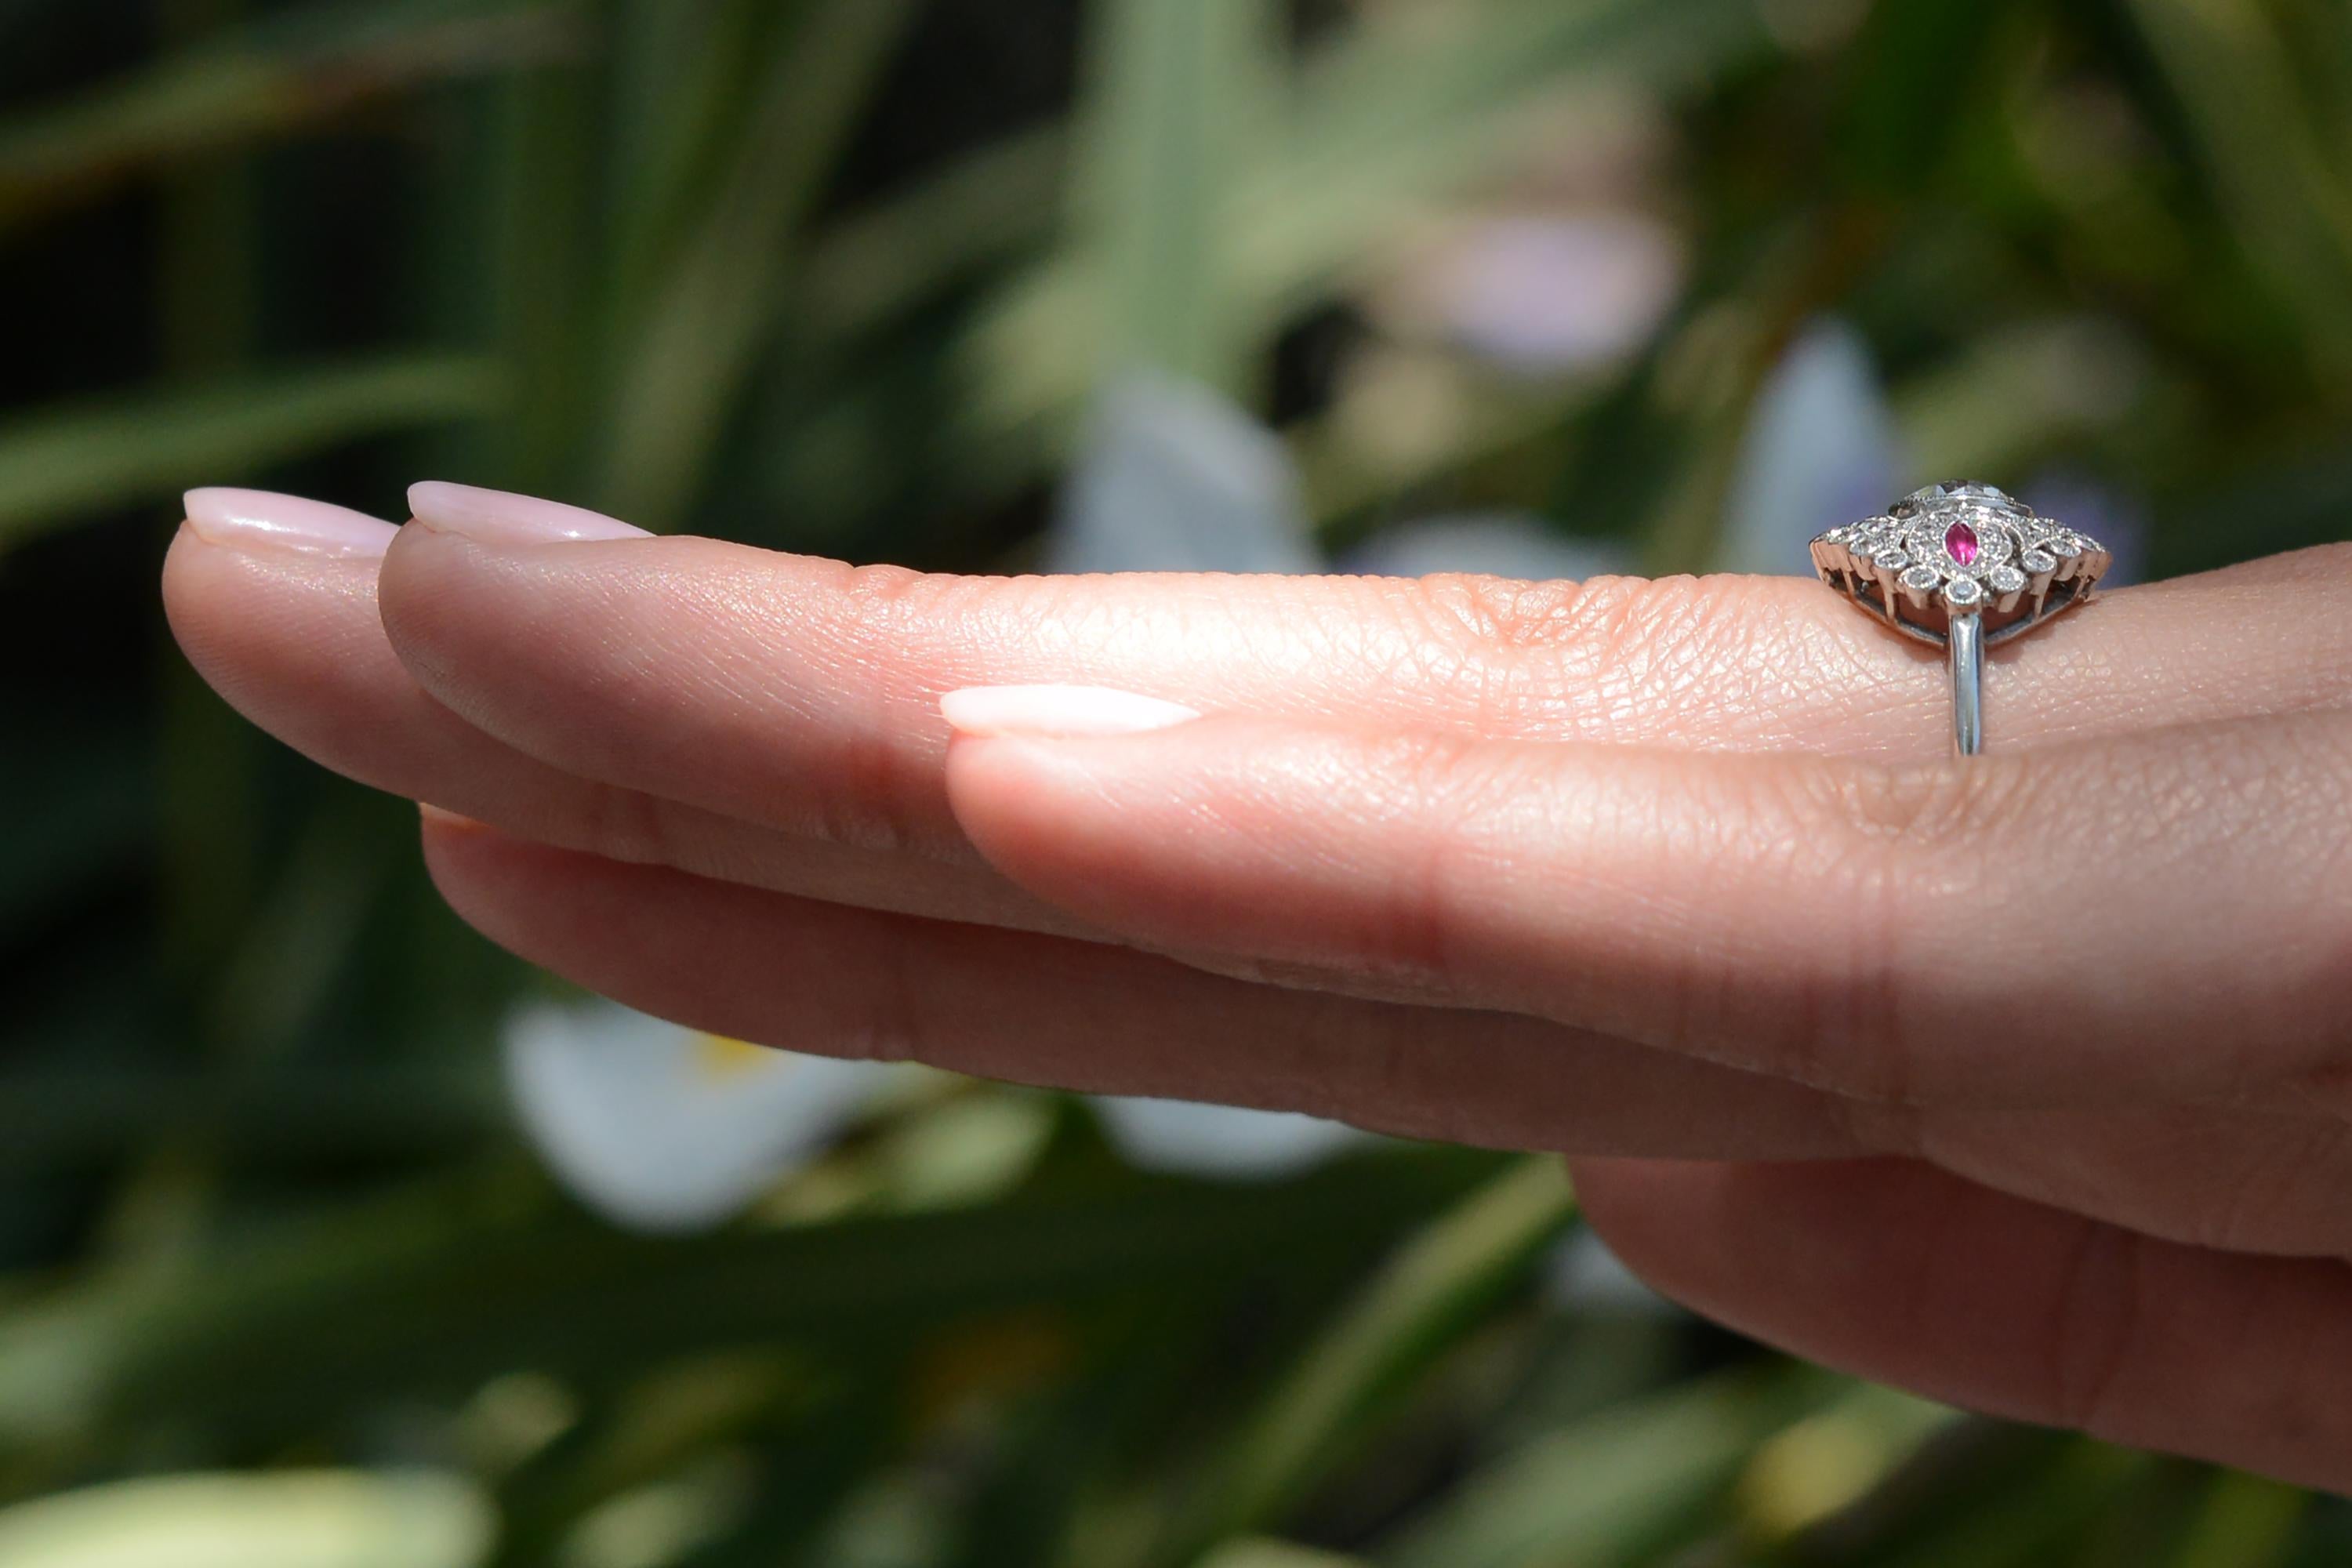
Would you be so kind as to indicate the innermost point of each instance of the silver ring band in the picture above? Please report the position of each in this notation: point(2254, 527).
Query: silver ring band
point(1965, 567)
point(1965, 650)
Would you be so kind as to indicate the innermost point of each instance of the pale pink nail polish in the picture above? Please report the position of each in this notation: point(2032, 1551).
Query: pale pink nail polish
point(495, 517)
point(1065, 713)
point(249, 519)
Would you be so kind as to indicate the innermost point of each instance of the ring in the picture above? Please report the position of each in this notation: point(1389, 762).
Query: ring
point(1964, 567)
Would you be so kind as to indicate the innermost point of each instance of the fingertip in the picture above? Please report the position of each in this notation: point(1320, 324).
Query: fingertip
point(178, 556)
point(454, 841)
point(444, 823)
point(1013, 750)
point(480, 871)
point(1059, 712)
point(265, 519)
point(503, 518)
point(1629, 1201)
point(988, 780)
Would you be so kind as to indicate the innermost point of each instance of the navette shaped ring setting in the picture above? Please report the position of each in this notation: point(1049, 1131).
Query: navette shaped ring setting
point(1963, 566)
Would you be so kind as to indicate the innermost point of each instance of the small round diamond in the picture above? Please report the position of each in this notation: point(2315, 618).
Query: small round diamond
point(1923, 578)
point(1867, 534)
point(1892, 558)
point(2005, 579)
point(2065, 546)
point(1964, 591)
point(2038, 560)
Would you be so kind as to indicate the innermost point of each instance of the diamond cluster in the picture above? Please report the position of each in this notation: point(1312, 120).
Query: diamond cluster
point(1959, 548)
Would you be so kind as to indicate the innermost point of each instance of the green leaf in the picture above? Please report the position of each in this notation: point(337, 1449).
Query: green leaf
point(1258, 1553)
point(1400, 116)
point(1807, 1474)
point(88, 808)
point(2037, 1515)
point(1449, 1275)
point(1610, 1489)
point(721, 296)
point(881, 260)
point(431, 1295)
point(257, 85)
point(322, 1518)
point(2019, 396)
point(2283, 188)
point(1181, 99)
point(2247, 1522)
point(59, 463)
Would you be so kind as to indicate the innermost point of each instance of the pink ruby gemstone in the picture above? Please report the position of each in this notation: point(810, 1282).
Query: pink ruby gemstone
point(1960, 539)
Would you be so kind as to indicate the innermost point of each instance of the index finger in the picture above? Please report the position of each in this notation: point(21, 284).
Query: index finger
point(800, 694)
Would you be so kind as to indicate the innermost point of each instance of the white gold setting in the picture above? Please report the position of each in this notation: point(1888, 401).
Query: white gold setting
point(1963, 566)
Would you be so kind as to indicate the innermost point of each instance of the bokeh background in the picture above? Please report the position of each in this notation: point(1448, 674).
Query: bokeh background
point(329, 1237)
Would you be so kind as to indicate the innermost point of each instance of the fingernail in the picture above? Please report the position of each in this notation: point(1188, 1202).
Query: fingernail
point(248, 517)
point(494, 516)
point(1063, 712)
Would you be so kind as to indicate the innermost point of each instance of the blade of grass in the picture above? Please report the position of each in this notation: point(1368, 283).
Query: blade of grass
point(2230, 70)
point(444, 1289)
point(63, 1118)
point(1180, 98)
point(1407, 111)
point(1258, 1553)
point(1455, 1270)
point(62, 463)
point(2246, 1521)
point(719, 303)
point(1624, 1487)
point(877, 263)
point(290, 1518)
point(1807, 1473)
point(256, 87)
point(2037, 1515)
point(684, 78)
point(1390, 121)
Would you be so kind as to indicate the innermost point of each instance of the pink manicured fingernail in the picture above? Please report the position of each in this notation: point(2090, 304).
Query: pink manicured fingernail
point(1066, 713)
point(494, 516)
point(248, 518)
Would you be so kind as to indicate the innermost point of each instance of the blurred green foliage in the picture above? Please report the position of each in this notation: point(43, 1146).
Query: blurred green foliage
point(841, 275)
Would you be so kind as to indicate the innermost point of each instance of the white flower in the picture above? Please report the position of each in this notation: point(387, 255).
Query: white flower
point(1499, 545)
point(1584, 1276)
point(1819, 450)
point(1172, 476)
point(1226, 1141)
point(660, 1128)
point(1545, 293)
point(2083, 504)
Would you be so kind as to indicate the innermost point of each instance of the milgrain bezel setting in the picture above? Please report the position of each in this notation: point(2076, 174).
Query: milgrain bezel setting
point(1954, 549)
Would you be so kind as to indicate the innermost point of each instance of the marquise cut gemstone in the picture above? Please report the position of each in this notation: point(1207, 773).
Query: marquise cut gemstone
point(1961, 540)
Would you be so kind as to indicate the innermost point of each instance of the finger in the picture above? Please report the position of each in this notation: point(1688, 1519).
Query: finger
point(1046, 1010)
point(293, 639)
point(2159, 915)
point(2233, 1177)
point(801, 692)
point(1910, 1276)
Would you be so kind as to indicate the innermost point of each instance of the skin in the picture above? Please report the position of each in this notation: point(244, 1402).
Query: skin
point(2024, 1083)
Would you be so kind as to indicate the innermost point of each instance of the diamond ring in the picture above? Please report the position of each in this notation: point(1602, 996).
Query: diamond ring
point(1963, 567)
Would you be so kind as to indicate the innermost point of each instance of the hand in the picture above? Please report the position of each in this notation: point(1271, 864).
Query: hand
point(2025, 1083)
